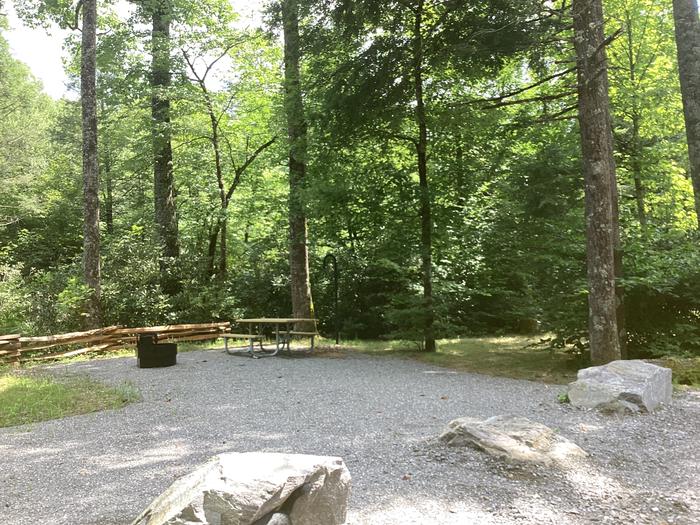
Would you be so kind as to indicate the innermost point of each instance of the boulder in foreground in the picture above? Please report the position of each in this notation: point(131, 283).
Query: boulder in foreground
point(256, 489)
point(622, 386)
point(512, 438)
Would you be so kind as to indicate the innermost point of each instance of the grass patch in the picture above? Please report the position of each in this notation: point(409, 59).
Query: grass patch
point(507, 356)
point(512, 356)
point(31, 397)
point(686, 370)
point(191, 346)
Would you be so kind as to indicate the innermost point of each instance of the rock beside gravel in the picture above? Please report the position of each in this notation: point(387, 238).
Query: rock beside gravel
point(622, 386)
point(512, 438)
point(255, 489)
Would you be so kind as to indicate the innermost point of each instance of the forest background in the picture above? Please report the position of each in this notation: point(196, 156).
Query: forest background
point(506, 188)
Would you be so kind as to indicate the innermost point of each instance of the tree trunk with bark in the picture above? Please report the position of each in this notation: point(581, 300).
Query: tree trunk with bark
point(211, 250)
point(602, 230)
point(424, 197)
point(163, 184)
point(302, 304)
point(685, 16)
point(91, 200)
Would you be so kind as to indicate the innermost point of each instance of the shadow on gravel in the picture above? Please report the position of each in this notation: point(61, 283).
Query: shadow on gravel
point(381, 416)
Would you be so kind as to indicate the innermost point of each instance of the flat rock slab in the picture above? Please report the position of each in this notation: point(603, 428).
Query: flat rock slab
point(512, 438)
point(256, 489)
point(622, 386)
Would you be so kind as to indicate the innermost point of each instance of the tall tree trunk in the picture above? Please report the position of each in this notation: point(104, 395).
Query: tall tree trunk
point(422, 154)
point(163, 185)
point(685, 16)
point(302, 304)
point(599, 174)
point(91, 200)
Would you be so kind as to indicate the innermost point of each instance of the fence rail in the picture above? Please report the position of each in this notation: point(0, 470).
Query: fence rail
point(16, 349)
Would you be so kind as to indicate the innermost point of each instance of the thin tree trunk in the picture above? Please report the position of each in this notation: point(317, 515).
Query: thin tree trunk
point(225, 195)
point(617, 254)
point(163, 184)
point(211, 251)
point(425, 211)
point(459, 179)
point(302, 304)
point(223, 204)
point(223, 247)
point(109, 196)
point(223, 201)
point(107, 214)
point(685, 16)
point(636, 161)
point(109, 192)
point(599, 174)
point(91, 200)
point(636, 149)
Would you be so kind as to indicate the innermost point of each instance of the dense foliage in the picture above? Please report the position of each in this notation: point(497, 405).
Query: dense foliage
point(508, 248)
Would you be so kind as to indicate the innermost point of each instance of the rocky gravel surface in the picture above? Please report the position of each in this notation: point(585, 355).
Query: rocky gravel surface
point(382, 415)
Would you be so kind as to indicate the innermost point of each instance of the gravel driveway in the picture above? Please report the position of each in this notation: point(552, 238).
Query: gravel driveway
point(380, 414)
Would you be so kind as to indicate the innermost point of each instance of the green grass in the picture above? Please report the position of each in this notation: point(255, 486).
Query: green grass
point(507, 356)
point(32, 397)
point(510, 356)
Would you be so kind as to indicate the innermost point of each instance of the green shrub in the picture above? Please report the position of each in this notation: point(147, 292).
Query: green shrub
point(14, 302)
point(662, 296)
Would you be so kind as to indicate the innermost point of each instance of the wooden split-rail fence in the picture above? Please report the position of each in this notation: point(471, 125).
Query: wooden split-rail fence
point(16, 349)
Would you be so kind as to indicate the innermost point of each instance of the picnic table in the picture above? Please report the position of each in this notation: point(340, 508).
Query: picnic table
point(283, 329)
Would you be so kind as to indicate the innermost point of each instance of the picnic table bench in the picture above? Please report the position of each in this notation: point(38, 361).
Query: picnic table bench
point(283, 331)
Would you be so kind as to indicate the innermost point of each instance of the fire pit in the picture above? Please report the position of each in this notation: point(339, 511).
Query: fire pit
point(151, 354)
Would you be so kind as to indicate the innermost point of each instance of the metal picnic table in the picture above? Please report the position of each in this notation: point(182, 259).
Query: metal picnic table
point(283, 329)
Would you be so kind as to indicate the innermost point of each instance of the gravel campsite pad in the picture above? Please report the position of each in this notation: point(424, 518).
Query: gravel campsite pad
point(382, 415)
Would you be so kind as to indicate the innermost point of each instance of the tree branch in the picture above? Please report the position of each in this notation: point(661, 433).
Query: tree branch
point(78, 8)
point(517, 91)
point(244, 166)
point(542, 98)
point(398, 136)
point(555, 117)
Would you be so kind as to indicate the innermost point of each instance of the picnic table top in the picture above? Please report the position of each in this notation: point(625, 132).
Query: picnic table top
point(276, 320)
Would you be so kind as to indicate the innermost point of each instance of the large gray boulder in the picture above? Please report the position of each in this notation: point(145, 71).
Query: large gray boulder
point(256, 489)
point(512, 438)
point(622, 386)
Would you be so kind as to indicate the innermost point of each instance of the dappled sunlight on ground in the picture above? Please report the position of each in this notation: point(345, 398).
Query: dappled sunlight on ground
point(382, 416)
point(415, 511)
point(496, 343)
point(589, 480)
